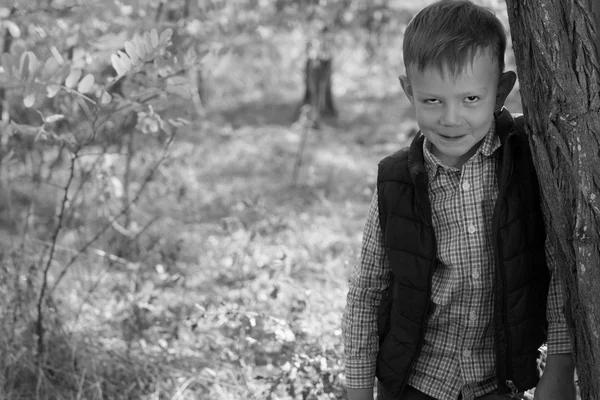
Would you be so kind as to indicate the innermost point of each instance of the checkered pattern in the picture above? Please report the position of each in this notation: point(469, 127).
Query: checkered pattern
point(458, 354)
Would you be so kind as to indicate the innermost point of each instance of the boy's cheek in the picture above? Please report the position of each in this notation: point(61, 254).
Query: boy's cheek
point(425, 118)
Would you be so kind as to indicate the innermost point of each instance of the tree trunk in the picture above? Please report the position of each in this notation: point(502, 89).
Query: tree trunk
point(317, 88)
point(559, 79)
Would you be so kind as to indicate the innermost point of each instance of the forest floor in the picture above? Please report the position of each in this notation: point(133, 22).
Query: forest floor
point(257, 276)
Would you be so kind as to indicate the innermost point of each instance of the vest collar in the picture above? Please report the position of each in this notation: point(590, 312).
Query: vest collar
point(418, 175)
point(505, 125)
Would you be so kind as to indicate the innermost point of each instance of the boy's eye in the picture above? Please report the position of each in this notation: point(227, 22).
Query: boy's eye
point(471, 99)
point(431, 101)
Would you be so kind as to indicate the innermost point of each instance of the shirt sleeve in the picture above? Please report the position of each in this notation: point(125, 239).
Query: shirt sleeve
point(370, 279)
point(559, 341)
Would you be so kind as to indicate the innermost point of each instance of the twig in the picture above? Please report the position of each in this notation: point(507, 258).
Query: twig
point(127, 177)
point(181, 390)
point(40, 315)
point(305, 123)
point(137, 196)
point(98, 252)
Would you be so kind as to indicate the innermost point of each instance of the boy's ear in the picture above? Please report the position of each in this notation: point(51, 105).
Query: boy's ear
point(505, 85)
point(405, 83)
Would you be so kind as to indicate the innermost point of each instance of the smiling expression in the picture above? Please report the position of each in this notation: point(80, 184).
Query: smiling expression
point(455, 113)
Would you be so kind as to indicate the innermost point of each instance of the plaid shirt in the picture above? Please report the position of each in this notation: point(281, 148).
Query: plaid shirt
point(458, 354)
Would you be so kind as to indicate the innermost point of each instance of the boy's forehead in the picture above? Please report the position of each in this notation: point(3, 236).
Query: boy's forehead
point(482, 66)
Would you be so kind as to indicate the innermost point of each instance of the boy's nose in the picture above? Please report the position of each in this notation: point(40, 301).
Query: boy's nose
point(451, 116)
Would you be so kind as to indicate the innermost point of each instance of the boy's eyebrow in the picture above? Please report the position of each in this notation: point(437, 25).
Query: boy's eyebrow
point(482, 89)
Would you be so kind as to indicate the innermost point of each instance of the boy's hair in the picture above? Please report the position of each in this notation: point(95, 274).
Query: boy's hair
point(450, 33)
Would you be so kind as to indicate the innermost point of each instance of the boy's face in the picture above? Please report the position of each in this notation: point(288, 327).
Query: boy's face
point(456, 112)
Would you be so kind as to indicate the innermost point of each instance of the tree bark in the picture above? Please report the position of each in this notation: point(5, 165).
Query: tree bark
point(317, 90)
point(558, 68)
point(318, 71)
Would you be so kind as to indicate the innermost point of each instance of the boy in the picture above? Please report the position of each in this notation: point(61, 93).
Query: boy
point(452, 296)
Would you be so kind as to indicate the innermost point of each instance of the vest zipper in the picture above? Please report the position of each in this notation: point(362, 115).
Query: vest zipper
point(426, 320)
point(504, 371)
point(504, 310)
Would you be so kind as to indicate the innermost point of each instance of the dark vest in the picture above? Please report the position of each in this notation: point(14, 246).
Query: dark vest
point(521, 279)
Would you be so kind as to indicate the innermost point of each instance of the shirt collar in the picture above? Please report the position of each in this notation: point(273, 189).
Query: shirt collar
point(491, 143)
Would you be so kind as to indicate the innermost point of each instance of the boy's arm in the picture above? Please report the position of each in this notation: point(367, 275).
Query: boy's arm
point(557, 382)
point(559, 341)
point(370, 278)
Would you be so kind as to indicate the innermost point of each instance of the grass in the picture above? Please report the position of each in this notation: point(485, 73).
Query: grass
point(236, 289)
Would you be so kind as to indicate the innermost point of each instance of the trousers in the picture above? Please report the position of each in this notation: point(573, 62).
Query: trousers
point(411, 393)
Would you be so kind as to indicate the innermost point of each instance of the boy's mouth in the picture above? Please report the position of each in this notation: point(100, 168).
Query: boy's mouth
point(456, 137)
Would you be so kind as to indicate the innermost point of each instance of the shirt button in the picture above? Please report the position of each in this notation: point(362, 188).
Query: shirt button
point(467, 353)
point(466, 186)
point(472, 316)
point(471, 229)
point(475, 275)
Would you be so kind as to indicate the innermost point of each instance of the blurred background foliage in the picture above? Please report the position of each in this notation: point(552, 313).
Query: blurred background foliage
point(183, 186)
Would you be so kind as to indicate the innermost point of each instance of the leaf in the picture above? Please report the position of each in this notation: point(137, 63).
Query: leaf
point(190, 57)
point(24, 66)
point(105, 99)
point(148, 43)
point(115, 60)
point(8, 64)
point(178, 122)
point(13, 29)
point(25, 129)
point(57, 55)
point(125, 61)
point(140, 47)
point(33, 65)
point(154, 38)
point(118, 189)
point(29, 99)
point(131, 50)
point(54, 118)
point(50, 67)
point(73, 78)
point(86, 84)
point(165, 36)
point(52, 90)
point(166, 128)
point(179, 91)
point(179, 80)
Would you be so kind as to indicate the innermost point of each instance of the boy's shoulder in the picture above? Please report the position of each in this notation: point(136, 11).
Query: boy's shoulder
point(396, 166)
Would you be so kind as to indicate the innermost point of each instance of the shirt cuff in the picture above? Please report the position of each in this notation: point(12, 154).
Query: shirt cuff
point(559, 341)
point(360, 373)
